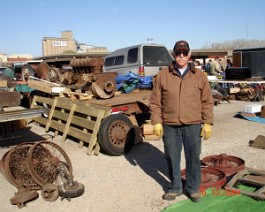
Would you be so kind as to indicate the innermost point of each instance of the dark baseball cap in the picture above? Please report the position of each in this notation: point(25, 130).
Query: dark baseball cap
point(181, 45)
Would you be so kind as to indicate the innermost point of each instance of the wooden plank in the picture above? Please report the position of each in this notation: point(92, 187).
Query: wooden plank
point(41, 99)
point(49, 119)
point(64, 103)
point(83, 122)
point(69, 120)
point(76, 95)
point(79, 134)
point(57, 126)
point(151, 137)
point(41, 86)
point(41, 120)
point(90, 110)
point(60, 115)
point(93, 140)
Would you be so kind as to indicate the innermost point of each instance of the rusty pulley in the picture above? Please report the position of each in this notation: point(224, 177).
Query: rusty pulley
point(104, 87)
point(227, 163)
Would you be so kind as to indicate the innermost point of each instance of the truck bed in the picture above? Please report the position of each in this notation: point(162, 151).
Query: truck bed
point(141, 96)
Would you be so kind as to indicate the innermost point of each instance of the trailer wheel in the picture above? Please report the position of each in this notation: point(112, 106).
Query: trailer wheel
point(116, 134)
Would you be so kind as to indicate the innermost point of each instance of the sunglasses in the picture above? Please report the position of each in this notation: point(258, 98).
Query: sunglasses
point(185, 53)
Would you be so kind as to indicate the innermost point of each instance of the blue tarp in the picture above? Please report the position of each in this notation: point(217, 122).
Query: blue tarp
point(251, 118)
point(126, 83)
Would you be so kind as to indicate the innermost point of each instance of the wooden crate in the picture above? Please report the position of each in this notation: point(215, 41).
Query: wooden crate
point(73, 118)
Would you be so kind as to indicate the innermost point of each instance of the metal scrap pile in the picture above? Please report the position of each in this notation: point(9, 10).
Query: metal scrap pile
point(247, 92)
point(39, 166)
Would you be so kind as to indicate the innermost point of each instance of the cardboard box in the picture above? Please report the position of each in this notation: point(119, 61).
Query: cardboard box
point(234, 90)
point(3, 83)
point(254, 108)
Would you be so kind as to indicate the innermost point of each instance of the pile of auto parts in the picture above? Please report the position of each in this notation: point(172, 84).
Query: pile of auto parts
point(84, 75)
point(210, 178)
point(41, 166)
point(227, 163)
point(8, 96)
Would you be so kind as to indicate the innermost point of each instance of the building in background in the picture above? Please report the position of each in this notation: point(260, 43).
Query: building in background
point(11, 59)
point(3, 58)
point(67, 44)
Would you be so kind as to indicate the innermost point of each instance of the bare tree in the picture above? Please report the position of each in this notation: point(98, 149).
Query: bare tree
point(235, 44)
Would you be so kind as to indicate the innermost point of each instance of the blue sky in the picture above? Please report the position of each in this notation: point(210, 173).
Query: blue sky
point(119, 23)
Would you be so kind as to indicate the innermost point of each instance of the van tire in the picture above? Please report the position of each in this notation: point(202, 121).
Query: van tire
point(116, 135)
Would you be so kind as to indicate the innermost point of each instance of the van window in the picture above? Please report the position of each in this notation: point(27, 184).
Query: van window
point(132, 55)
point(114, 61)
point(156, 56)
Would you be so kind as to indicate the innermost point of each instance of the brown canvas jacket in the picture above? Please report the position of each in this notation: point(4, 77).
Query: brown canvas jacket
point(177, 101)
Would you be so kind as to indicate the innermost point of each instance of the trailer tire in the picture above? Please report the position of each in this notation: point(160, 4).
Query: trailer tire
point(116, 134)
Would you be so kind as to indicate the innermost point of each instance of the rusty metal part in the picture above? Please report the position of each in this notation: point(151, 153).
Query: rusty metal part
point(71, 189)
point(94, 63)
point(26, 72)
point(227, 163)
point(3, 166)
point(210, 178)
point(23, 196)
point(45, 72)
point(68, 188)
point(20, 114)
point(249, 177)
point(16, 169)
point(68, 77)
point(9, 99)
point(43, 160)
point(50, 192)
point(104, 87)
point(259, 142)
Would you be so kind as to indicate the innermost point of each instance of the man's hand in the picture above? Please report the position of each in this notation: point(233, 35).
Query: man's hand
point(158, 130)
point(206, 131)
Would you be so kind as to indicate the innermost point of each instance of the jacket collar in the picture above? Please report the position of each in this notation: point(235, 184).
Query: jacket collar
point(172, 67)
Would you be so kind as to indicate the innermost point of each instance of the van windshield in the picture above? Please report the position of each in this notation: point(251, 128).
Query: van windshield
point(156, 56)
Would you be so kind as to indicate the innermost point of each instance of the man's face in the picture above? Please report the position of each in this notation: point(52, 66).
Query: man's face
point(182, 58)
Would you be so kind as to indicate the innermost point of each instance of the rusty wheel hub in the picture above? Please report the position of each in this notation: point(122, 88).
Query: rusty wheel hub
point(227, 163)
point(118, 132)
point(23, 196)
point(209, 178)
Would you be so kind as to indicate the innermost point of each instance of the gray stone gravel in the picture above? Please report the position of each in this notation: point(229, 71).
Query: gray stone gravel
point(136, 182)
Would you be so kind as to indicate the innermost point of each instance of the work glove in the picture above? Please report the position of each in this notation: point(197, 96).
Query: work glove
point(206, 131)
point(158, 130)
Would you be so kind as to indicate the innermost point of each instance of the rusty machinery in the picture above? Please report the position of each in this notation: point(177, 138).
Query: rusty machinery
point(41, 166)
point(83, 74)
point(8, 96)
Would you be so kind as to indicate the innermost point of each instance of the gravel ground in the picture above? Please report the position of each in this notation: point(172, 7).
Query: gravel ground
point(136, 182)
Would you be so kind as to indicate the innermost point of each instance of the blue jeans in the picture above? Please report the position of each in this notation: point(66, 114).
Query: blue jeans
point(173, 138)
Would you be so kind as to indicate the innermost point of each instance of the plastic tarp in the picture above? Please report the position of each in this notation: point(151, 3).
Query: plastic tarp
point(126, 83)
point(217, 202)
point(251, 118)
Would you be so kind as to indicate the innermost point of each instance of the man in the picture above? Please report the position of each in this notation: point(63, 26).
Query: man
point(181, 106)
point(216, 68)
